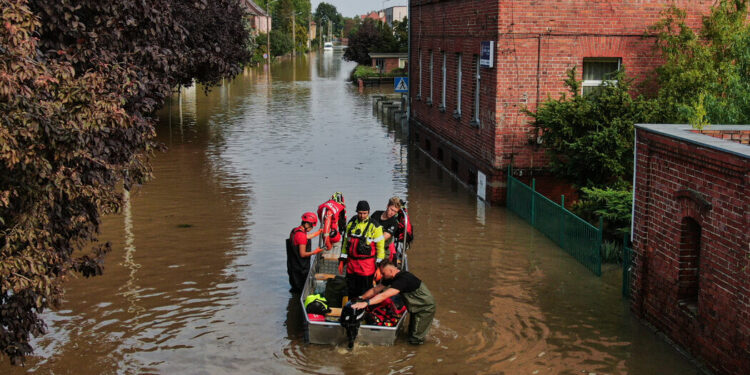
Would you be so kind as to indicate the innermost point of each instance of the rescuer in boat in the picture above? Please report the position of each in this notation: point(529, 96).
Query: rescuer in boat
point(362, 248)
point(418, 299)
point(332, 214)
point(298, 251)
point(388, 220)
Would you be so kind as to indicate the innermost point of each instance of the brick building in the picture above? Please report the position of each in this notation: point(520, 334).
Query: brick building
point(691, 242)
point(259, 20)
point(468, 117)
point(386, 62)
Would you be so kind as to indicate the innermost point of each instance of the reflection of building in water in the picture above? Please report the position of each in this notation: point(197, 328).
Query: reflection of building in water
point(130, 289)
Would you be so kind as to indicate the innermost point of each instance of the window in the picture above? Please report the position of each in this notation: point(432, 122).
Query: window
point(477, 77)
point(459, 73)
point(380, 65)
point(419, 91)
point(442, 96)
point(689, 264)
point(596, 71)
point(429, 99)
point(402, 63)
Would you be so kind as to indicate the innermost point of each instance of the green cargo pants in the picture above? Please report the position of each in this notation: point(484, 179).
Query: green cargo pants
point(422, 308)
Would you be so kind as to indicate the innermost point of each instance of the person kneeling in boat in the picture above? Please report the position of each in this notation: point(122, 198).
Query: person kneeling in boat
point(417, 297)
point(362, 248)
point(332, 214)
point(297, 252)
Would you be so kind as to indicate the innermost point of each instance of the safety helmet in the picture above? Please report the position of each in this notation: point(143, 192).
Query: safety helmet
point(310, 218)
point(338, 197)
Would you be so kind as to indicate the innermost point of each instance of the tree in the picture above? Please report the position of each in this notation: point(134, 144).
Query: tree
point(78, 82)
point(372, 36)
point(326, 13)
point(401, 34)
point(281, 43)
point(590, 138)
point(705, 77)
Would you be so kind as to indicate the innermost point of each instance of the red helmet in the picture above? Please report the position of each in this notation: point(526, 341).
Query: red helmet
point(310, 218)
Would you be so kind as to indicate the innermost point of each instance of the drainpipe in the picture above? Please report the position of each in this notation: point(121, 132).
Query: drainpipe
point(635, 169)
point(408, 89)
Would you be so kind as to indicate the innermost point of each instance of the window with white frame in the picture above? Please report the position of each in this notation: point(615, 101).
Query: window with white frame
point(459, 74)
point(442, 96)
point(419, 87)
point(429, 99)
point(477, 78)
point(597, 70)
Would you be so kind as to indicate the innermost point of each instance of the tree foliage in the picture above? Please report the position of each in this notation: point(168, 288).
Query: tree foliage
point(78, 82)
point(372, 36)
point(706, 75)
point(327, 13)
point(590, 138)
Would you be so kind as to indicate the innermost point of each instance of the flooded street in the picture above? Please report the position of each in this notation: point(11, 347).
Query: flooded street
point(197, 282)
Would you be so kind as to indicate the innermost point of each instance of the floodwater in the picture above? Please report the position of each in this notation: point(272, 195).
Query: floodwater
point(196, 282)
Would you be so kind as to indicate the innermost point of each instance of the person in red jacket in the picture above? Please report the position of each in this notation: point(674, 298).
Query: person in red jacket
point(298, 252)
point(333, 215)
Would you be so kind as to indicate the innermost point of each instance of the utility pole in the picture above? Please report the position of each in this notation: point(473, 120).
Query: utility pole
point(268, 33)
point(294, 39)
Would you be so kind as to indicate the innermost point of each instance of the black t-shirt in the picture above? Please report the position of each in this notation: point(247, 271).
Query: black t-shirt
point(404, 281)
point(389, 225)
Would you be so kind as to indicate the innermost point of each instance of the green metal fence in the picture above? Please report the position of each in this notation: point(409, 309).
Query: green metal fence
point(627, 267)
point(573, 234)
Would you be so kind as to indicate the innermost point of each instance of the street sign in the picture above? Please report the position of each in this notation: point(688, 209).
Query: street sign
point(401, 84)
point(265, 55)
point(487, 56)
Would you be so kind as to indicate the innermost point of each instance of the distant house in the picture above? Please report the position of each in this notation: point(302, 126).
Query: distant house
point(378, 16)
point(397, 13)
point(387, 62)
point(260, 21)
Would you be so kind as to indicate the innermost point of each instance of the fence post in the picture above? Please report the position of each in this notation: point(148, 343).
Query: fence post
point(562, 221)
point(533, 202)
point(626, 258)
point(599, 239)
point(507, 186)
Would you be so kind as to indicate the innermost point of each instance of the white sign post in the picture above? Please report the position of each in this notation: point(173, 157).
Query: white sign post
point(481, 185)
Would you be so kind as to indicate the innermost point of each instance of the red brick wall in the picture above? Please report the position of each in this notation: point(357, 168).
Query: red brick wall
point(536, 42)
point(675, 180)
point(389, 64)
point(739, 136)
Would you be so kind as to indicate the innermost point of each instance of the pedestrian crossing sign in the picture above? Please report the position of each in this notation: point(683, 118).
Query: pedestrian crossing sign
point(401, 84)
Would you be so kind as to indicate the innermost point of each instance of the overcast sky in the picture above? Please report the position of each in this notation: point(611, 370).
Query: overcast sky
point(350, 8)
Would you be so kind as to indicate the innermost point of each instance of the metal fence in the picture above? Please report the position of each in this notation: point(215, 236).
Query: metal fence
point(573, 234)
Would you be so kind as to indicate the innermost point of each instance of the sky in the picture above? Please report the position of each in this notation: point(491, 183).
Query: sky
point(350, 8)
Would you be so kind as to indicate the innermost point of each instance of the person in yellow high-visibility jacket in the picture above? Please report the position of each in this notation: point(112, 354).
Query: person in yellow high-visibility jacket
point(362, 249)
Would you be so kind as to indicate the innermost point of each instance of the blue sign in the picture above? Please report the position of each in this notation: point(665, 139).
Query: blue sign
point(401, 84)
point(487, 56)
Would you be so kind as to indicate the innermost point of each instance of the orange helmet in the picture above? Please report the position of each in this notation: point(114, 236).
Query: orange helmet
point(310, 218)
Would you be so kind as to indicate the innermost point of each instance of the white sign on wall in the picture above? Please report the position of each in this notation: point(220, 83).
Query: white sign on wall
point(487, 54)
point(481, 185)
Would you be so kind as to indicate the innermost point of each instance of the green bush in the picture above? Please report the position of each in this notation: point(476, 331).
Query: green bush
point(281, 43)
point(614, 205)
point(589, 138)
point(364, 71)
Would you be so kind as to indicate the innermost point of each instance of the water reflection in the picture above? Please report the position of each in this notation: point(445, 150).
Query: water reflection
point(202, 286)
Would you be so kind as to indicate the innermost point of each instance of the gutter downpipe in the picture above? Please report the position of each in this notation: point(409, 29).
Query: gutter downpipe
point(408, 89)
point(635, 169)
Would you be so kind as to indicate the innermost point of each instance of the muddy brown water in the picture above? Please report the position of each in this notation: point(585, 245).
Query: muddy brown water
point(197, 283)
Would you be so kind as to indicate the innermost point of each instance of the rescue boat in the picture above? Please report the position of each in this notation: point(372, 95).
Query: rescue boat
point(324, 267)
